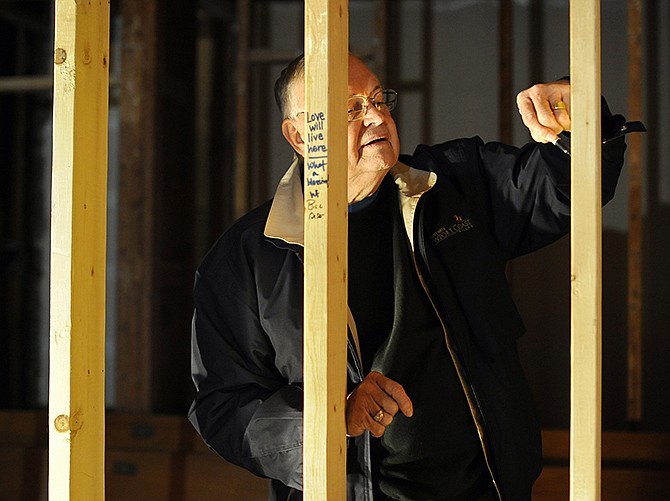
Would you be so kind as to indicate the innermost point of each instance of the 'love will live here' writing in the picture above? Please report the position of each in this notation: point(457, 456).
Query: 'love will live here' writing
point(316, 174)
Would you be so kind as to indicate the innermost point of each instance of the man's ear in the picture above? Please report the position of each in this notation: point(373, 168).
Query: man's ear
point(293, 136)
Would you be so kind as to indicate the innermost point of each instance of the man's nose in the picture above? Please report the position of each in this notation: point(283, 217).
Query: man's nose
point(373, 115)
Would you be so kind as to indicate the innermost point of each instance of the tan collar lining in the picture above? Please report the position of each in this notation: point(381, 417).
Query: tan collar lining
point(285, 220)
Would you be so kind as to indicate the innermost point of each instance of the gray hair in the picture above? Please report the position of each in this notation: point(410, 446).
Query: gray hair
point(285, 84)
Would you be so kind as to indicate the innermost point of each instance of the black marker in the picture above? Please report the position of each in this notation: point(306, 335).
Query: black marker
point(561, 145)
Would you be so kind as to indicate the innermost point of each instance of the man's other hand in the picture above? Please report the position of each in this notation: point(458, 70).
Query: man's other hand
point(374, 403)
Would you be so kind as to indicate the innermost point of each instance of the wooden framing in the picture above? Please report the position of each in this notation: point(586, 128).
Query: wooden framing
point(241, 195)
point(76, 396)
point(155, 220)
point(136, 290)
point(78, 237)
point(586, 242)
point(635, 217)
point(325, 224)
point(505, 70)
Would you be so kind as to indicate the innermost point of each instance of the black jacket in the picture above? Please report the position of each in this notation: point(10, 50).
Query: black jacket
point(475, 205)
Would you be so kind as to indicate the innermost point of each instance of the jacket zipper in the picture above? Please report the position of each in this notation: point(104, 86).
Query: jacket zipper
point(473, 403)
point(358, 364)
point(475, 410)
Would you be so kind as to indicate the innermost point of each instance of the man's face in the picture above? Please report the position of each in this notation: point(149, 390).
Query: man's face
point(373, 143)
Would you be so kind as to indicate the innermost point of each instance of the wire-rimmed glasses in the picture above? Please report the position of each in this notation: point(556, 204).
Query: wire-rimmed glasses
point(357, 106)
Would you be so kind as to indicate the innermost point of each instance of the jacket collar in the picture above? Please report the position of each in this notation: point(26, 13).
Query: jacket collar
point(285, 220)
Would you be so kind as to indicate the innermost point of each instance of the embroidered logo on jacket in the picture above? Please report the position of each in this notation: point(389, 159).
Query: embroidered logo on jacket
point(459, 226)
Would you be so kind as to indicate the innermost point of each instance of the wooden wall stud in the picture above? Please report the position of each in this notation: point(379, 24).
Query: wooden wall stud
point(586, 243)
point(78, 239)
point(325, 314)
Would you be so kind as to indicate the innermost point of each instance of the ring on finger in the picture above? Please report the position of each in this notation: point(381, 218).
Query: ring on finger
point(379, 416)
point(560, 106)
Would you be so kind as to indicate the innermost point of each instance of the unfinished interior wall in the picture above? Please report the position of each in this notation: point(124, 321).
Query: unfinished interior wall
point(464, 101)
point(445, 67)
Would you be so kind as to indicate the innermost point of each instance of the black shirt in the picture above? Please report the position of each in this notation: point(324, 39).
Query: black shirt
point(436, 454)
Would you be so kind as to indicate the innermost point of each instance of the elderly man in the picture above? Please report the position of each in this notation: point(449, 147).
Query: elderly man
point(438, 407)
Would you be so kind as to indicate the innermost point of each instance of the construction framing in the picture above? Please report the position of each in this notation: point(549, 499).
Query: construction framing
point(325, 223)
point(76, 407)
point(586, 243)
point(78, 242)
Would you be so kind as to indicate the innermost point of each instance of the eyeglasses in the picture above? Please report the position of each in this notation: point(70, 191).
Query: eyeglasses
point(384, 100)
point(357, 106)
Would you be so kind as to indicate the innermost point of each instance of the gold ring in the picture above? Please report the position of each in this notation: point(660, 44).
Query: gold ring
point(379, 416)
point(560, 106)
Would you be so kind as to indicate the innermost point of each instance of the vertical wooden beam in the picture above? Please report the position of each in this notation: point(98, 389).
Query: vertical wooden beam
point(325, 328)
point(427, 21)
point(586, 228)
point(243, 109)
point(78, 231)
point(380, 42)
point(205, 96)
point(261, 107)
point(136, 290)
point(635, 216)
point(18, 340)
point(536, 35)
point(156, 209)
point(505, 70)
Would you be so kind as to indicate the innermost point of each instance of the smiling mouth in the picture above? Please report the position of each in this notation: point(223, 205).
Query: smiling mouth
point(374, 141)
